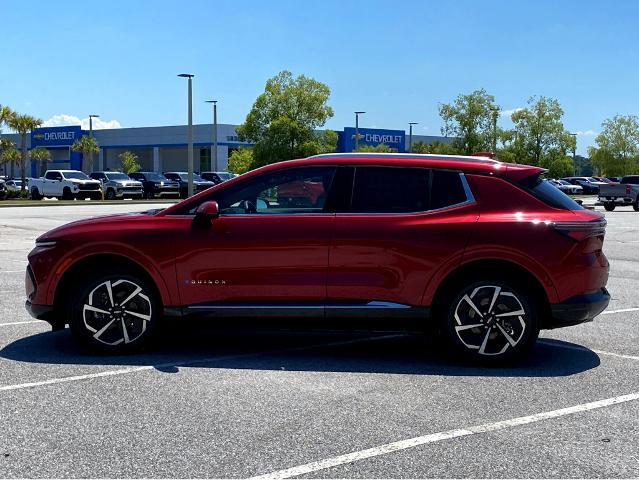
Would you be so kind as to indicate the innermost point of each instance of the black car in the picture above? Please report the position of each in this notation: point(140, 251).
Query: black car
point(3, 190)
point(156, 185)
point(217, 177)
point(199, 184)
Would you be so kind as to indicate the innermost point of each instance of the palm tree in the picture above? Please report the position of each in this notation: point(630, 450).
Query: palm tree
point(5, 113)
point(39, 154)
point(10, 154)
point(86, 144)
point(23, 124)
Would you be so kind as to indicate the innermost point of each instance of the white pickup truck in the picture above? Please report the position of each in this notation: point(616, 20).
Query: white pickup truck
point(623, 193)
point(65, 184)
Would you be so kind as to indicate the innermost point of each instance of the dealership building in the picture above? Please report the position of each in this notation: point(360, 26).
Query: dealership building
point(163, 149)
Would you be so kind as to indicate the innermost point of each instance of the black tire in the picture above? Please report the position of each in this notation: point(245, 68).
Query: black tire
point(35, 194)
point(496, 338)
point(120, 322)
point(609, 206)
point(635, 205)
point(66, 194)
point(110, 194)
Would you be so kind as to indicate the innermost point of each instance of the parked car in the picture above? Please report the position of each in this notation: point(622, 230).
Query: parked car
point(15, 184)
point(118, 185)
point(590, 185)
point(199, 184)
point(217, 177)
point(65, 184)
point(567, 187)
point(420, 238)
point(156, 185)
point(3, 190)
point(624, 193)
point(614, 179)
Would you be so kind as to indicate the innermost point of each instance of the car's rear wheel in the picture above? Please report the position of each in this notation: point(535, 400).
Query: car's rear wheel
point(110, 194)
point(609, 206)
point(114, 313)
point(492, 321)
point(635, 205)
point(66, 194)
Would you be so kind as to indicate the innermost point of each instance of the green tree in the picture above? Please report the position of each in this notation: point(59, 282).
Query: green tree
point(5, 114)
point(284, 120)
point(379, 148)
point(129, 162)
point(560, 167)
point(10, 155)
point(539, 136)
point(86, 145)
point(39, 154)
point(617, 150)
point(241, 160)
point(470, 118)
point(23, 124)
point(435, 148)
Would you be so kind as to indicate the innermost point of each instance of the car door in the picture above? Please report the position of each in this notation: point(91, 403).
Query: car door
point(402, 225)
point(268, 247)
point(52, 184)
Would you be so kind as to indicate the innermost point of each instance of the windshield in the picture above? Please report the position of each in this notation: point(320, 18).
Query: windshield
point(155, 177)
point(117, 176)
point(224, 176)
point(185, 177)
point(76, 175)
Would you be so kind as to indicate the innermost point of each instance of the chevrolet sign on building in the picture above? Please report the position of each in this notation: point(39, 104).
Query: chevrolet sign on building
point(395, 139)
point(55, 136)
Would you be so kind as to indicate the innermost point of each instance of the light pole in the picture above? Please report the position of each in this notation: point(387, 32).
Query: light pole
point(190, 131)
point(410, 136)
point(357, 114)
point(214, 149)
point(91, 117)
point(574, 155)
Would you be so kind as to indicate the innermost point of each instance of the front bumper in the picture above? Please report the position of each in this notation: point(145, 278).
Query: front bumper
point(578, 309)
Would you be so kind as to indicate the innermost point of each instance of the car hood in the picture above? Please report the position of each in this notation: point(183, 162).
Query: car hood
point(78, 180)
point(127, 183)
point(70, 229)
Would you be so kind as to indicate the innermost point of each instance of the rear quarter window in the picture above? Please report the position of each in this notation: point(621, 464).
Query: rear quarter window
point(547, 193)
point(447, 189)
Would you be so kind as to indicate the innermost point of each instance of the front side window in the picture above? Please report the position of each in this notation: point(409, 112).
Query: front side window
point(289, 191)
point(53, 176)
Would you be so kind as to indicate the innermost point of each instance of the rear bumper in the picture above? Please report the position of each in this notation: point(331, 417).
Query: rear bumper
point(578, 309)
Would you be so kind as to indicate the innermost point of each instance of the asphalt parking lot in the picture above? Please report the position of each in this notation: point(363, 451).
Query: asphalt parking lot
point(214, 402)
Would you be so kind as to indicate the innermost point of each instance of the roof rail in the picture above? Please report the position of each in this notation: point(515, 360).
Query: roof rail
point(433, 156)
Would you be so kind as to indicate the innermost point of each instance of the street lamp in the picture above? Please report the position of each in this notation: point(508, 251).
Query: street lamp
point(190, 131)
point(410, 136)
point(91, 117)
point(357, 114)
point(574, 154)
point(495, 115)
point(214, 152)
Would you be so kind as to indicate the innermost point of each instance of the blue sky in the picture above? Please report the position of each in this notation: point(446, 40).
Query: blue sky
point(395, 60)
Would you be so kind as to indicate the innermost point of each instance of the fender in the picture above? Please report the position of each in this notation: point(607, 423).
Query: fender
point(168, 295)
point(487, 253)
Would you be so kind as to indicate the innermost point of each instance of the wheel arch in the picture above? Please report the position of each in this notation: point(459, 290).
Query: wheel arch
point(495, 267)
point(65, 286)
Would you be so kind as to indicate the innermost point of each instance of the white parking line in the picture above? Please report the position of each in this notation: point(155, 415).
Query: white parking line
point(622, 310)
point(584, 349)
point(438, 437)
point(21, 323)
point(13, 271)
point(185, 363)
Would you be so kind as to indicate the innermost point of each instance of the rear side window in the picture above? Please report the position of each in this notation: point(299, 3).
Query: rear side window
point(548, 194)
point(631, 179)
point(390, 190)
point(447, 189)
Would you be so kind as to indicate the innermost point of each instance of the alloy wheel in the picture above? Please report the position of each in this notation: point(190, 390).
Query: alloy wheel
point(117, 312)
point(491, 319)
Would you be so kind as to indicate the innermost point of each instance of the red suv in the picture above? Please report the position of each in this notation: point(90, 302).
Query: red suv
point(487, 252)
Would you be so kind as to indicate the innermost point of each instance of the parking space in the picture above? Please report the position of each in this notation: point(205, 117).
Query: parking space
point(213, 401)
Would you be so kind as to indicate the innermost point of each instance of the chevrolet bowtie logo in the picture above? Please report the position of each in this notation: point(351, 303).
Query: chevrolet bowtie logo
point(38, 136)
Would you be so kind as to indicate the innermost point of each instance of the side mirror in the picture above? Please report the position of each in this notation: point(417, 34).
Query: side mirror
point(207, 212)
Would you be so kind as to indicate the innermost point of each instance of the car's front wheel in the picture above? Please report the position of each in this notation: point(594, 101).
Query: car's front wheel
point(114, 313)
point(492, 321)
point(609, 206)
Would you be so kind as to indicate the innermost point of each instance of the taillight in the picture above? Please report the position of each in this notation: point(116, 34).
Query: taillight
point(628, 189)
point(581, 230)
